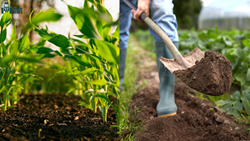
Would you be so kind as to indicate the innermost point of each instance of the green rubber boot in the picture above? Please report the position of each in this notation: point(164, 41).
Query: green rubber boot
point(123, 53)
point(166, 106)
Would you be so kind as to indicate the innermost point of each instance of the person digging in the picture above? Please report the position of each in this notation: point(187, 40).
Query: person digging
point(162, 14)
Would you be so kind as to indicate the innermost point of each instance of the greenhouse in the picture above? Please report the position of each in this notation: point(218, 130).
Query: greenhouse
point(225, 14)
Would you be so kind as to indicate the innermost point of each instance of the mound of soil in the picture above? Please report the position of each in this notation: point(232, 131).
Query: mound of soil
point(58, 117)
point(195, 121)
point(212, 75)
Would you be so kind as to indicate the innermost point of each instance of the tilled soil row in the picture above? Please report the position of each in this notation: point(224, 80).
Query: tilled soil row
point(195, 120)
point(54, 117)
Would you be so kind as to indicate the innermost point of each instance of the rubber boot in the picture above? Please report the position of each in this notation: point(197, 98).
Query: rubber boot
point(123, 53)
point(166, 106)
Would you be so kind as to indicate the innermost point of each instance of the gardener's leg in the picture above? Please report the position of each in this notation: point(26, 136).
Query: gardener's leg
point(125, 22)
point(162, 15)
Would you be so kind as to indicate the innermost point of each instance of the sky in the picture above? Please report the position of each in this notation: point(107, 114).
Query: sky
point(206, 2)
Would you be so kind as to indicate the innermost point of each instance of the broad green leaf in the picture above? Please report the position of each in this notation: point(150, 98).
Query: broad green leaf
point(96, 60)
point(238, 106)
point(236, 96)
point(13, 34)
point(108, 51)
point(24, 43)
point(117, 32)
point(85, 21)
point(246, 94)
point(5, 20)
point(97, 82)
point(47, 55)
point(3, 36)
point(58, 53)
point(235, 112)
point(57, 39)
point(223, 104)
point(89, 71)
point(28, 59)
point(43, 16)
point(100, 82)
point(242, 78)
point(115, 74)
point(246, 43)
point(227, 42)
point(8, 58)
point(18, 86)
point(78, 60)
point(85, 72)
point(246, 106)
point(82, 49)
point(3, 89)
point(60, 41)
point(72, 90)
point(44, 50)
point(230, 110)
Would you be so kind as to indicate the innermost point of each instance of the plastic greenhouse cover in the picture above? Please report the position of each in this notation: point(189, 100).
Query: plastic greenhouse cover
point(226, 8)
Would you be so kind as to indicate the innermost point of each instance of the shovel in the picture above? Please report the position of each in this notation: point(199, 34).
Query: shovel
point(179, 62)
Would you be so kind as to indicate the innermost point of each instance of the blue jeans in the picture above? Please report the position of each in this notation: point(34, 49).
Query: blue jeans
point(161, 13)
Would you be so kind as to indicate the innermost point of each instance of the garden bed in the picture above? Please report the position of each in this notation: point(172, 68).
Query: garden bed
point(55, 117)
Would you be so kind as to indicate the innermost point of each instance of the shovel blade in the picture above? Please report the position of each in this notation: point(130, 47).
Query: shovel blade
point(192, 57)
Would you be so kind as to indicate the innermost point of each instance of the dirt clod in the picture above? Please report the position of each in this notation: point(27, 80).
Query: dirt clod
point(211, 75)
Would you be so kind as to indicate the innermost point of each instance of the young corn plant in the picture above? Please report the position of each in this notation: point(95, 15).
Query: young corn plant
point(101, 55)
point(15, 54)
point(11, 54)
point(92, 58)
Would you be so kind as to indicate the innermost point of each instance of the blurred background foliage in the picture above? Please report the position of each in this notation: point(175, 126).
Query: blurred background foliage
point(187, 12)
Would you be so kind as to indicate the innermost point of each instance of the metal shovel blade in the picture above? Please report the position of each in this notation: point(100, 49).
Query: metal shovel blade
point(192, 57)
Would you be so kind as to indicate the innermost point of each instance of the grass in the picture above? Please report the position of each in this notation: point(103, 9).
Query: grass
point(146, 41)
point(130, 87)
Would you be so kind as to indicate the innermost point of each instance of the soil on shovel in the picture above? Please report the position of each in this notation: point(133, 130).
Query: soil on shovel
point(212, 75)
point(54, 117)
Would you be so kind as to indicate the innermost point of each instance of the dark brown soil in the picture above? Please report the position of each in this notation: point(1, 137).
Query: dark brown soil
point(195, 121)
point(65, 120)
point(212, 75)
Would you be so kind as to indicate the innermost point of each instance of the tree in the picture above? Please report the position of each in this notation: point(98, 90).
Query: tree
point(187, 12)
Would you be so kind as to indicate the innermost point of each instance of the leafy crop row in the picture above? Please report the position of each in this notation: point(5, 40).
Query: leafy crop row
point(235, 46)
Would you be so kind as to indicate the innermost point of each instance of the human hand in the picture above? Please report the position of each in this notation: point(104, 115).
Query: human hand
point(143, 6)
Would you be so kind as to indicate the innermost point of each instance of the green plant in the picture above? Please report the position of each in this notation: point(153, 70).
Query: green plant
point(234, 45)
point(11, 54)
point(17, 58)
point(236, 103)
point(214, 99)
point(92, 58)
point(247, 121)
